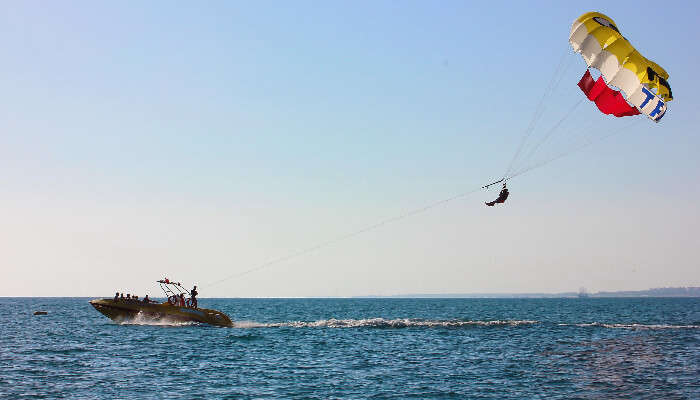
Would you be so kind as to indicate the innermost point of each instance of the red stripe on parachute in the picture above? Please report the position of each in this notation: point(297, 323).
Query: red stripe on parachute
point(609, 101)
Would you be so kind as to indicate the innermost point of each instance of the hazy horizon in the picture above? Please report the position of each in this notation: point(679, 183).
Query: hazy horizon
point(494, 295)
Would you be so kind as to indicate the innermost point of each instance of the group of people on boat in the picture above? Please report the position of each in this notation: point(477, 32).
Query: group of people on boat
point(120, 297)
point(176, 300)
point(181, 301)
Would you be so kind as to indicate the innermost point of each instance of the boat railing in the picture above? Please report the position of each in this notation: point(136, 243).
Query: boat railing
point(173, 290)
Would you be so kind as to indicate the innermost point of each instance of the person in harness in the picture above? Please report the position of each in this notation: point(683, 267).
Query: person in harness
point(501, 197)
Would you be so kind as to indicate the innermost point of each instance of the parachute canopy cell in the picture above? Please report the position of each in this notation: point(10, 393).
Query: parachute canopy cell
point(609, 101)
point(642, 82)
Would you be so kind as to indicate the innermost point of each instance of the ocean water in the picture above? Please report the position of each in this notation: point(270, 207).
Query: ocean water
point(643, 348)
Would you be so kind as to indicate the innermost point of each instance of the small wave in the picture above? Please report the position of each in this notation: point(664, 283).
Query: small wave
point(248, 324)
point(381, 323)
point(65, 351)
point(633, 326)
point(245, 338)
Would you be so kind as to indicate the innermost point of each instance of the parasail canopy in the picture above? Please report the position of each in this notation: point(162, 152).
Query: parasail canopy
point(626, 74)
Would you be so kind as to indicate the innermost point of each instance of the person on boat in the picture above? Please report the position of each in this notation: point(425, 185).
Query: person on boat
point(116, 296)
point(501, 197)
point(128, 296)
point(182, 300)
point(193, 297)
point(146, 299)
point(121, 296)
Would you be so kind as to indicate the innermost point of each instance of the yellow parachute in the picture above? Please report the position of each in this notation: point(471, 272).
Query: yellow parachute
point(643, 82)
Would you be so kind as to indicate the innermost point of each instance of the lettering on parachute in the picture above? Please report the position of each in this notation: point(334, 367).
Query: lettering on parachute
point(660, 108)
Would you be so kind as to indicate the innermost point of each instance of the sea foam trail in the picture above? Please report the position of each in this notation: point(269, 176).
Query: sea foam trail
point(381, 323)
point(633, 326)
point(142, 319)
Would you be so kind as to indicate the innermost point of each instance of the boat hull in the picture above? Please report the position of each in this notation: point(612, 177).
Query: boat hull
point(123, 310)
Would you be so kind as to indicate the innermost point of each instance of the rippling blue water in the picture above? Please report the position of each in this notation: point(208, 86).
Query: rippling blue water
point(359, 348)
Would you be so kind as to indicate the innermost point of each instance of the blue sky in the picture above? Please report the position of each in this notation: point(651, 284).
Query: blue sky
point(197, 141)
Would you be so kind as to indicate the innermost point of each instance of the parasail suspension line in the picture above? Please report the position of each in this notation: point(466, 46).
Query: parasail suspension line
point(345, 237)
point(588, 143)
point(537, 114)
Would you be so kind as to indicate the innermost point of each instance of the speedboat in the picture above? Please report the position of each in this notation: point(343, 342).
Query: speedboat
point(178, 308)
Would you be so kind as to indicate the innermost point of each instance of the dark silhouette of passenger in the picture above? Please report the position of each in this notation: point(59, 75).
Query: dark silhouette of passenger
point(193, 296)
point(501, 197)
point(116, 296)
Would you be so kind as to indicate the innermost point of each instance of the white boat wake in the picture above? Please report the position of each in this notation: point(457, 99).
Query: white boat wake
point(632, 326)
point(381, 323)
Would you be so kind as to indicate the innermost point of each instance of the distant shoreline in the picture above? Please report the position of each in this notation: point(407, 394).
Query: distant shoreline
point(655, 292)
